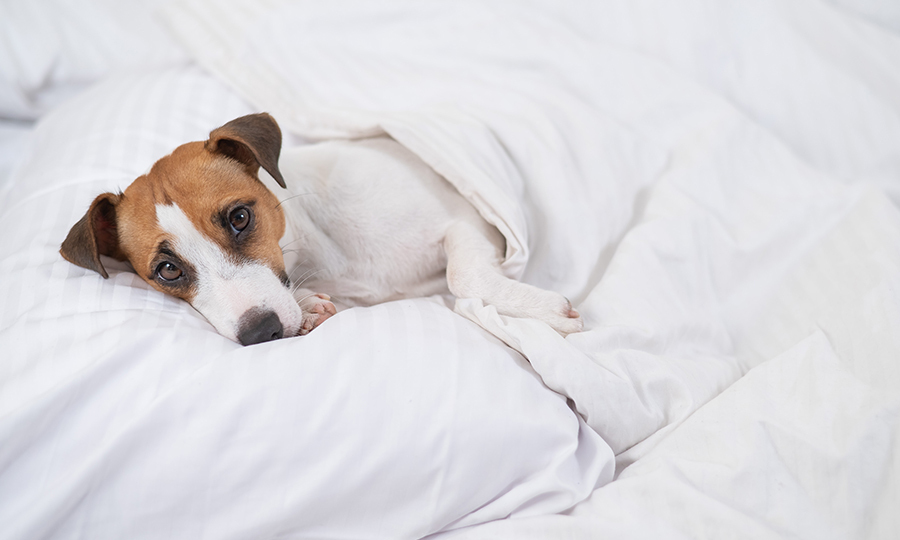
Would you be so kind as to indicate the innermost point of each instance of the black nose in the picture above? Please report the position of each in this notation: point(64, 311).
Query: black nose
point(258, 325)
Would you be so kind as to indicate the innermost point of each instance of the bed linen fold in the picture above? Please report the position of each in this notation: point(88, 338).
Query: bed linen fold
point(714, 186)
point(124, 414)
point(668, 210)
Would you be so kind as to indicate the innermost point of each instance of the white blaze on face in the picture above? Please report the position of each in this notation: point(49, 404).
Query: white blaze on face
point(226, 289)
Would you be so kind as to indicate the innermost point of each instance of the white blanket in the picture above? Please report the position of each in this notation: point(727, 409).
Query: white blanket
point(710, 184)
point(700, 179)
point(123, 414)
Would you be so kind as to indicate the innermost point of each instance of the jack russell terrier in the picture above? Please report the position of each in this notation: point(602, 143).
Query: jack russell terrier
point(369, 222)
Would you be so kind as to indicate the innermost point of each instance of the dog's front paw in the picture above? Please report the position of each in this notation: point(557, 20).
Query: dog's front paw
point(316, 309)
point(563, 318)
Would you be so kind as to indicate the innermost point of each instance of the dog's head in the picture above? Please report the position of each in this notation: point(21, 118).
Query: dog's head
point(201, 226)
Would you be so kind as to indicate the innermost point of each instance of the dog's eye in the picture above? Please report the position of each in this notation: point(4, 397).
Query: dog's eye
point(168, 271)
point(239, 218)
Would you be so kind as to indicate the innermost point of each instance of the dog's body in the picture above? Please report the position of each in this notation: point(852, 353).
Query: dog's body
point(364, 222)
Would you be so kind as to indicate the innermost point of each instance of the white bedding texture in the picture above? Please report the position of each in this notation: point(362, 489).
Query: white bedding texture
point(715, 186)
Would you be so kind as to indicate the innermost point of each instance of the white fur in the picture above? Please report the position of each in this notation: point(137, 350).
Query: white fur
point(226, 289)
point(368, 222)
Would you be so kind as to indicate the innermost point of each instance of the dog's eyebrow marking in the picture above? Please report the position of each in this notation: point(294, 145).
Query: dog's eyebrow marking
point(165, 248)
point(234, 204)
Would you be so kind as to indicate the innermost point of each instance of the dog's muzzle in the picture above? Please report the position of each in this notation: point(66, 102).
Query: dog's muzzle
point(258, 325)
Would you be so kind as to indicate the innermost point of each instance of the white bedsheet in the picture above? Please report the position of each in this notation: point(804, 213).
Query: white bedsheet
point(123, 414)
point(51, 50)
point(801, 447)
point(13, 143)
point(706, 181)
point(711, 184)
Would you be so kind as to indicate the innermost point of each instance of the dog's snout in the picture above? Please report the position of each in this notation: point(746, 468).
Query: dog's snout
point(259, 325)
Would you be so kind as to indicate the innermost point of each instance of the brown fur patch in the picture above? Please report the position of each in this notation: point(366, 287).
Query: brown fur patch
point(204, 185)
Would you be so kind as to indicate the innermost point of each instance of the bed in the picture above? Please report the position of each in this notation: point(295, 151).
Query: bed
point(715, 186)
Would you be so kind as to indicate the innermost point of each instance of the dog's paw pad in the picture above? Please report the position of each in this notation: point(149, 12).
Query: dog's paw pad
point(316, 310)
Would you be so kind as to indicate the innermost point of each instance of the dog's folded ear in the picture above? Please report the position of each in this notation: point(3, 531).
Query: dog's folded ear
point(254, 140)
point(95, 234)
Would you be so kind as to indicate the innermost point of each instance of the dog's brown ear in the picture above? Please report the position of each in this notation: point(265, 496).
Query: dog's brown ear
point(95, 234)
point(254, 140)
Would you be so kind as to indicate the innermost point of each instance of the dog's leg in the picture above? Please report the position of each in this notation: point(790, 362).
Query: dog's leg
point(317, 307)
point(474, 253)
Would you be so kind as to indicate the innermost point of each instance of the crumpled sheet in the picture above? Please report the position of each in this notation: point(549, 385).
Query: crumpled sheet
point(124, 414)
point(706, 182)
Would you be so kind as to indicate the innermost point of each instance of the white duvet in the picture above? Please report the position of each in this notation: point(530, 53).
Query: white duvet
point(710, 184)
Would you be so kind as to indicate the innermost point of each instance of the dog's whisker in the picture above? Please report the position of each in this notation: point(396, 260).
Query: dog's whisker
point(294, 197)
point(294, 271)
point(303, 280)
point(309, 277)
point(295, 240)
point(296, 288)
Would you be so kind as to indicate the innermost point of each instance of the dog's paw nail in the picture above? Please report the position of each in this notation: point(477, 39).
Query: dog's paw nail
point(573, 314)
point(323, 296)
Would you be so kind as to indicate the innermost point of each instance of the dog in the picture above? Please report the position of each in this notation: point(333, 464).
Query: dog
point(367, 222)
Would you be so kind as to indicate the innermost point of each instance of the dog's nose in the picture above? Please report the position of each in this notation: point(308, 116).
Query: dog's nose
point(258, 325)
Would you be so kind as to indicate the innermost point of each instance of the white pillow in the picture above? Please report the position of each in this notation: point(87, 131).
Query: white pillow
point(53, 49)
point(124, 415)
